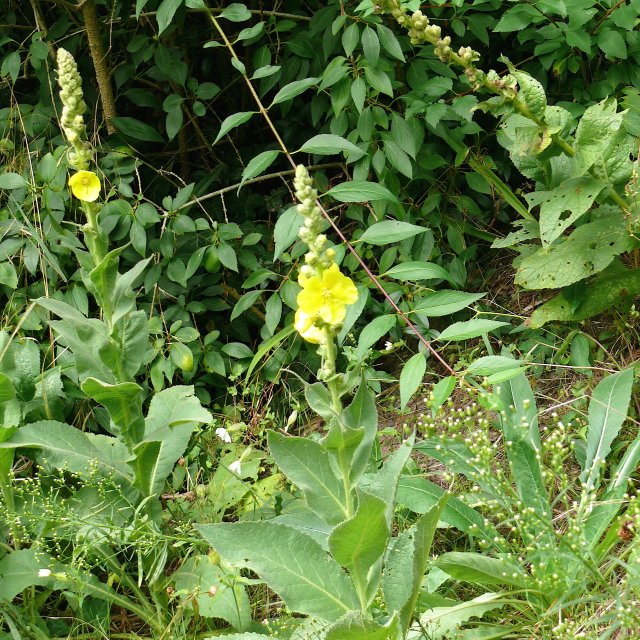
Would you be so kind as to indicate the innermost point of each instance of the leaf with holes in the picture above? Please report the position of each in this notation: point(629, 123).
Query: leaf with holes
point(562, 206)
point(588, 250)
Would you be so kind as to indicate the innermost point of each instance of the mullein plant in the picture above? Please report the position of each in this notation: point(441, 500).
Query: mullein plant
point(332, 556)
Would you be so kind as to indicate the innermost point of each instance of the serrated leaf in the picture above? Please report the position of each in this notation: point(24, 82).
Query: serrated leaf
point(361, 191)
point(326, 144)
point(236, 12)
point(411, 377)
point(294, 89)
point(294, 565)
point(370, 45)
point(470, 329)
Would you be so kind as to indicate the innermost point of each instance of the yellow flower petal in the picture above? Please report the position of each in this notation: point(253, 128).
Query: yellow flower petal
point(327, 295)
point(85, 185)
point(305, 327)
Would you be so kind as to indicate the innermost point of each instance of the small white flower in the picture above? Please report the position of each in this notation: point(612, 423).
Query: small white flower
point(388, 346)
point(236, 467)
point(44, 573)
point(223, 434)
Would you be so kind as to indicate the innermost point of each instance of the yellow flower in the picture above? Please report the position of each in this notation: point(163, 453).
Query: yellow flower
point(307, 329)
point(327, 295)
point(85, 185)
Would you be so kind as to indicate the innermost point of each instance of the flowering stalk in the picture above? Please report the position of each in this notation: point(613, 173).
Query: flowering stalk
point(84, 184)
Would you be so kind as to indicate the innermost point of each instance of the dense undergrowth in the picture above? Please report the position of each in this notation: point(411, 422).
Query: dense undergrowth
point(318, 319)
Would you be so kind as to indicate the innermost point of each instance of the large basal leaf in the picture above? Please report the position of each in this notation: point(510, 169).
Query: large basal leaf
point(607, 412)
point(354, 627)
point(306, 463)
point(291, 563)
point(20, 569)
point(606, 291)
point(64, 447)
point(420, 495)
point(588, 250)
point(440, 621)
point(219, 594)
point(128, 345)
point(406, 564)
point(479, 569)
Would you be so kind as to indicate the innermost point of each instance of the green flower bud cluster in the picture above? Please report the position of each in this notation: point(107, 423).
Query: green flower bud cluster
point(319, 256)
point(73, 108)
point(421, 32)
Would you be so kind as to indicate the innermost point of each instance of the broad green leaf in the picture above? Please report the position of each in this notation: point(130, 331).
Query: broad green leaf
point(480, 569)
point(440, 621)
point(165, 13)
point(20, 569)
point(65, 447)
point(441, 392)
point(124, 404)
point(233, 121)
point(588, 250)
point(597, 127)
point(326, 144)
point(606, 291)
point(420, 495)
point(398, 158)
point(245, 302)
point(565, 204)
point(531, 92)
point(236, 12)
point(370, 45)
point(378, 80)
point(354, 627)
point(389, 231)
point(286, 230)
point(219, 594)
point(470, 329)
point(8, 275)
point(411, 377)
point(307, 464)
point(291, 563)
point(359, 542)
point(293, 89)
point(488, 365)
point(612, 44)
point(361, 191)
point(517, 18)
point(11, 180)
point(417, 270)
point(258, 165)
point(307, 522)
point(607, 412)
point(373, 331)
point(173, 415)
point(406, 564)
point(389, 42)
point(361, 416)
point(136, 129)
point(445, 302)
point(7, 390)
